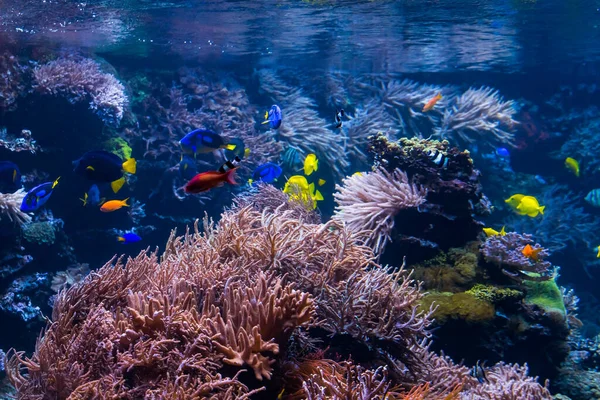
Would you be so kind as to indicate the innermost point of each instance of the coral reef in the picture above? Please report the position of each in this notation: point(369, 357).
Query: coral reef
point(12, 82)
point(82, 80)
point(67, 278)
point(463, 306)
point(23, 142)
point(454, 197)
point(10, 207)
point(583, 146)
point(20, 297)
point(478, 116)
point(506, 252)
point(368, 203)
point(41, 233)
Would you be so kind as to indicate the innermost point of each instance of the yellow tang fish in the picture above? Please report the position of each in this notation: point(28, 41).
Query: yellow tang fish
point(311, 164)
point(321, 182)
point(514, 200)
point(530, 206)
point(572, 165)
point(492, 232)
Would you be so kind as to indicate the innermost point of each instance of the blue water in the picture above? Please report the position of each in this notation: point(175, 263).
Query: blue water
point(221, 65)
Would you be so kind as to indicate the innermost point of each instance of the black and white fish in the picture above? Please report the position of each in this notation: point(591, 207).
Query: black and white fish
point(478, 372)
point(230, 164)
point(338, 118)
point(438, 158)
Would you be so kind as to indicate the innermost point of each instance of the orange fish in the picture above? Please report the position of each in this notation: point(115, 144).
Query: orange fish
point(208, 180)
point(432, 102)
point(530, 252)
point(114, 205)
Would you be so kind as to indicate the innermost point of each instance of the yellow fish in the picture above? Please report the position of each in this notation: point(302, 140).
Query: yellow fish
point(493, 232)
point(357, 174)
point(514, 200)
point(85, 197)
point(572, 165)
point(297, 187)
point(598, 254)
point(321, 182)
point(530, 206)
point(311, 164)
point(246, 152)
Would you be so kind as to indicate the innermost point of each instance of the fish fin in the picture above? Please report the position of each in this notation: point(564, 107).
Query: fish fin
point(90, 168)
point(318, 196)
point(117, 185)
point(598, 254)
point(230, 176)
point(125, 202)
point(102, 201)
point(265, 122)
point(55, 182)
point(121, 239)
point(502, 231)
point(130, 166)
point(230, 146)
point(541, 209)
point(246, 152)
point(322, 182)
point(311, 188)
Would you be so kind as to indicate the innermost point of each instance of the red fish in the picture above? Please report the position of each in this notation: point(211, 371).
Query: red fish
point(205, 181)
point(431, 103)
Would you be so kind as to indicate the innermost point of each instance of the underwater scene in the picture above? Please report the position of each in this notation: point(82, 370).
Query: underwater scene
point(289, 199)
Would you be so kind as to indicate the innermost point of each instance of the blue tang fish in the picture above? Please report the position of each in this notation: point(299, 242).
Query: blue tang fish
point(10, 177)
point(273, 117)
point(502, 152)
point(267, 173)
point(187, 167)
point(38, 196)
point(129, 237)
point(92, 196)
point(203, 141)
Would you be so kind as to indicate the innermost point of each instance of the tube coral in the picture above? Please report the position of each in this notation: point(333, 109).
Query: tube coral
point(10, 207)
point(368, 203)
point(479, 116)
point(83, 80)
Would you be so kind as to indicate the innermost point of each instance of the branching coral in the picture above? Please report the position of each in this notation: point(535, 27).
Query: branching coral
point(303, 129)
point(267, 197)
point(508, 382)
point(506, 252)
point(81, 80)
point(10, 207)
point(478, 116)
point(368, 203)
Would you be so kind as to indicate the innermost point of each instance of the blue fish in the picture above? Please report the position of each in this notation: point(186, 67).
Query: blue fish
point(502, 152)
point(10, 177)
point(38, 196)
point(267, 173)
point(273, 117)
point(203, 141)
point(129, 237)
point(187, 167)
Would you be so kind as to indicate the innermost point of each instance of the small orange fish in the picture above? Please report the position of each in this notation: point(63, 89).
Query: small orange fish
point(114, 205)
point(530, 252)
point(432, 102)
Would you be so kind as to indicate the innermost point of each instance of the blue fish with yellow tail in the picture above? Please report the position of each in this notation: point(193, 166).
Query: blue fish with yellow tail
point(38, 196)
point(273, 117)
point(267, 172)
point(240, 149)
point(203, 141)
point(129, 237)
point(187, 167)
point(102, 166)
point(92, 197)
point(10, 177)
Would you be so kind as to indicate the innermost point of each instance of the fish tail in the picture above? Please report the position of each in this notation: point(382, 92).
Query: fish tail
point(55, 182)
point(230, 146)
point(541, 209)
point(125, 202)
point(121, 239)
point(230, 177)
point(84, 202)
point(130, 166)
point(117, 185)
point(318, 196)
